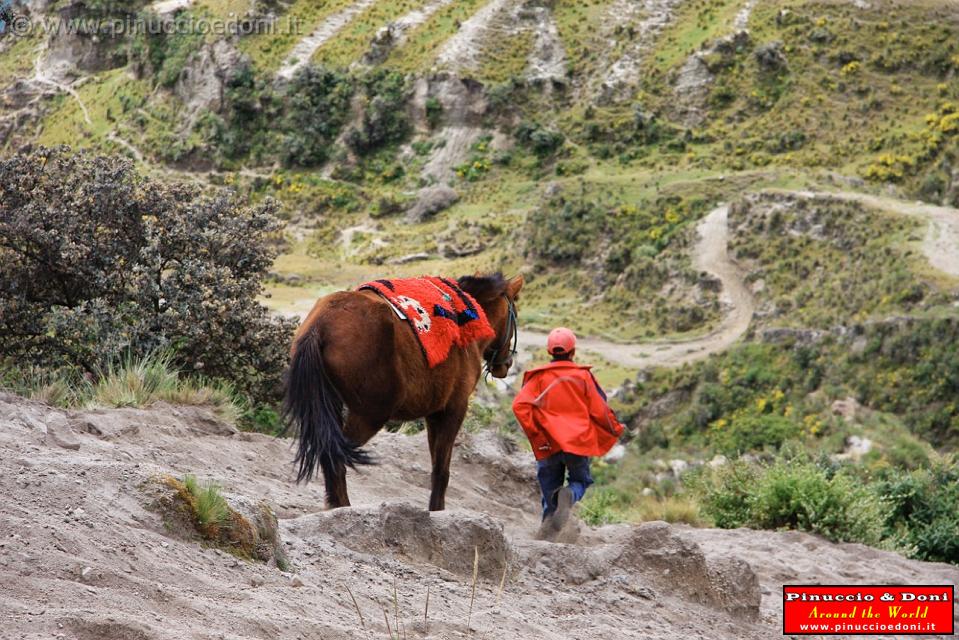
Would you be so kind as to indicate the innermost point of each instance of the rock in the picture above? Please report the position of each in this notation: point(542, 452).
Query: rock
point(410, 257)
point(678, 467)
point(430, 201)
point(856, 448)
point(572, 564)
point(674, 563)
point(847, 408)
point(615, 454)
point(553, 189)
point(446, 539)
point(296, 581)
point(770, 56)
point(86, 574)
point(202, 81)
point(735, 586)
point(718, 460)
point(264, 540)
point(60, 434)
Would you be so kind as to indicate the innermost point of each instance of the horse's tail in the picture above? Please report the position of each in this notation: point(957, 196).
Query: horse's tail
point(315, 407)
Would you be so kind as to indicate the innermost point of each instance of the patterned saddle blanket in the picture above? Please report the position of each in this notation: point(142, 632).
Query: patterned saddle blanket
point(440, 314)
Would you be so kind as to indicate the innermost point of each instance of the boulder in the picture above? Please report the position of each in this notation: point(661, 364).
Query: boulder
point(449, 540)
point(676, 564)
point(430, 201)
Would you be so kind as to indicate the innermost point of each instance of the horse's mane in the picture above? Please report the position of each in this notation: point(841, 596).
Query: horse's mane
point(484, 288)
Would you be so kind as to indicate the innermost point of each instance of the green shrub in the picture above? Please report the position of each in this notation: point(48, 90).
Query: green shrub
point(210, 507)
point(923, 510)
point(317, 104)
point(561, 231)
point(541, 140)
point(384, 118)
point(434, 112)
point(753, 432)
point(792, 494)
point(251, 111)
point(97, 260)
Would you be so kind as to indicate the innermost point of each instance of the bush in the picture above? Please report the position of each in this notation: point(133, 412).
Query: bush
point(384, 119)
point(97, 261)
point(434, 112)
point(792, 494)
point(561, 231)
point(541, 140)
point(923, 510)
point(752, 432)
point(318, 103)
point(250, 113)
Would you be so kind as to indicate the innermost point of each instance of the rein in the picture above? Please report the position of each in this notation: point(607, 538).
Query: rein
point(508, 345)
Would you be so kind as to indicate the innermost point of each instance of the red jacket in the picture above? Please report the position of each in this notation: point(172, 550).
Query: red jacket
point(561, 407)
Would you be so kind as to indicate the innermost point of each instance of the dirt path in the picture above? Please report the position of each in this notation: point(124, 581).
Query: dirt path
point(623, 73)
point(461, 50)
point(306, 47)
point(41, 75)
point(940, 246)
point(709, 255)
point(416, 17)
point(941, 243)
point(83, 556)
point(742, 18)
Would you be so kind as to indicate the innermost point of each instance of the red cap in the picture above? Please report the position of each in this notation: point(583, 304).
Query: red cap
point(561, 340)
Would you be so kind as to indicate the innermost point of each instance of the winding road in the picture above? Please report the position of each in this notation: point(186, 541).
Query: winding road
point(940, 246)
point(709, 255)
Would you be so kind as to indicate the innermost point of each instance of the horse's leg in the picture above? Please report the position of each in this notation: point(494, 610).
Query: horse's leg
point(357, 430)
point(441, 430)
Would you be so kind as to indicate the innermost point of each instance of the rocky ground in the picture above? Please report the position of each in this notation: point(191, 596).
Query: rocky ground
point(86, 550)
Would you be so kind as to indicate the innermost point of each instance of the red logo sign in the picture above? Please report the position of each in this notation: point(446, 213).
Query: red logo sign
point(868, 610)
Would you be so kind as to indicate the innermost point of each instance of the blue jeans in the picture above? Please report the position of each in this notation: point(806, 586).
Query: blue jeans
point(552, 473)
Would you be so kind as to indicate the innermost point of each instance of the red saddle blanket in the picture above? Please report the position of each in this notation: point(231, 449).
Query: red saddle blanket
point(439, 312)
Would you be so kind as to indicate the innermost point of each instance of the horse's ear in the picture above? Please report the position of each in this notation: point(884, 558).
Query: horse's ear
point(514, 286)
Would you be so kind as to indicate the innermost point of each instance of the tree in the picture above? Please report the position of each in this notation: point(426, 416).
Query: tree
point(97, 261)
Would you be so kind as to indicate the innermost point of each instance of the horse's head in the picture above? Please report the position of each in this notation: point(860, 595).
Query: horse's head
point(498, 297)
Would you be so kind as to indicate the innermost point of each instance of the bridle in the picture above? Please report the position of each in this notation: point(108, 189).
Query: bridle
point(508, 345)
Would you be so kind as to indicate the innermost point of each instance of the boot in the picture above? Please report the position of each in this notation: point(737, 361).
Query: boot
point(564, 504)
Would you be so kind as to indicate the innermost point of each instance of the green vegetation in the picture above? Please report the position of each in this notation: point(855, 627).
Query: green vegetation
point(384, 119)
point(911, 511)
point(165, 54)
point(626, 252)
point(792, 494)
point(92, 266)
point(696, 24)
point(354, 40)
point(210, 507)
point(824, 262)
point(899, 367)
point(268, 51)
point(423, 43)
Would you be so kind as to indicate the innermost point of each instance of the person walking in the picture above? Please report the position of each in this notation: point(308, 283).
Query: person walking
point(563, 411)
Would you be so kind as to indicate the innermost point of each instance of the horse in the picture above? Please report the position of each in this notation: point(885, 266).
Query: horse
point(353, 351)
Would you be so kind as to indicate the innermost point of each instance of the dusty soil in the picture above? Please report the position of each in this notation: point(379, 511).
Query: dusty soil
point(305, 48)
point(83, 555)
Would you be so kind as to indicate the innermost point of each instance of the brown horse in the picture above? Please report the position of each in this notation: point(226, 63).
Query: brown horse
point(353, 350)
